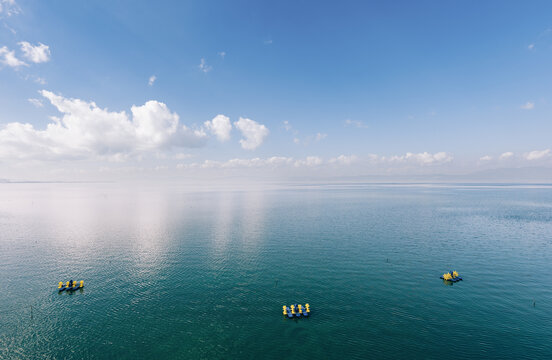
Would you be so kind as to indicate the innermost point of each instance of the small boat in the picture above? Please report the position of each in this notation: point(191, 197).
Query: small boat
point(70, 286)
point(287, 311)
point(452, 276)
point(296, 310)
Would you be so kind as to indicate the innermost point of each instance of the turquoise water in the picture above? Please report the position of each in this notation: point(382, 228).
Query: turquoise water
point(174, 273)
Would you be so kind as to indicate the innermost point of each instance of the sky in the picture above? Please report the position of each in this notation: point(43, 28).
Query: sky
point(93, 90)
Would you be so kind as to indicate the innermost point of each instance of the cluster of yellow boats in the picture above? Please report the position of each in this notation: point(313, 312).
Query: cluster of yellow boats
point(296, 310)
point(70, 285)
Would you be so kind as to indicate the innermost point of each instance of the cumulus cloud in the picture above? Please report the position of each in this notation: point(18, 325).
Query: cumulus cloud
point(204, 67)
point(152, 80)
point(531, 46)
point(86, 131)
point(35, 53)
point(220, 126)
point(222, 54)
point(8, 58)
point(528, 105)
point(424, 158)
point(253, 133)
point(486, 158)
point(154, 125)
point(538, 154)
point(506, 155)
point(344, 159)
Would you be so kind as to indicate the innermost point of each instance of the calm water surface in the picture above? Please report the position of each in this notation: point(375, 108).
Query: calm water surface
point(172, 273)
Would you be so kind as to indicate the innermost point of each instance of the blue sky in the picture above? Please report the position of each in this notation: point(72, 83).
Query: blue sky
point(364, 82)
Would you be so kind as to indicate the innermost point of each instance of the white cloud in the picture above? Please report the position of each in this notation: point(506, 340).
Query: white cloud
point(152, 80)
point(371, 161)
point(310, 161)
point(222, 54)
point(253, 133)
point(204, 67)
point(38, 54)
point(36, 102)
point(268, 42)
point(154, 125)
point(424, 158)
point(274, 161)
point(40, 81)
point(506, 155)
point(519, 159)
point(9, 7)
point(8, 58)
point(344, 160)
point(531, 46)
point(220, 126)
point(296, 140)
point(279, 160)
point(528, 105)
point(86, 131)
point(538, 154)
point(271, 162)
point(356, 123)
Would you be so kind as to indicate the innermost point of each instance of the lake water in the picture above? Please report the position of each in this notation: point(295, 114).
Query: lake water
point(172, 273)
